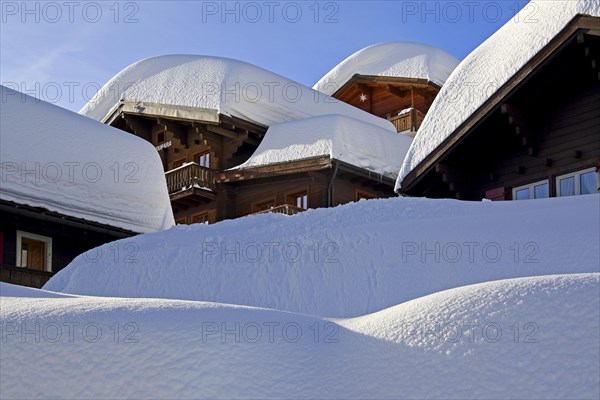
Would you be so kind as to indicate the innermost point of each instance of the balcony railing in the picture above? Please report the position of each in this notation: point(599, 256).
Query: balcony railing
point(24, 276)
point(408, 121)
point(189, 176)
point(403, 122)
point(286, 209)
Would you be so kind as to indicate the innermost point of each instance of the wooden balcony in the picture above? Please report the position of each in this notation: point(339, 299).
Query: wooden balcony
point(409, 121)
point(286, 209)
point(24, 276)
point(190, 176)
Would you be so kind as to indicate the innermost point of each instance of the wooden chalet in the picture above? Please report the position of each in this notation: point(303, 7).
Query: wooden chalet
point(211, 133)
point(382, 80)
point(537, 136)
point(51, 210)
point(403, 101)
point(35, 243)
point(193, 152)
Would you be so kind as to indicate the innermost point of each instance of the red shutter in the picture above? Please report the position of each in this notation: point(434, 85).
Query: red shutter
point(497, 194)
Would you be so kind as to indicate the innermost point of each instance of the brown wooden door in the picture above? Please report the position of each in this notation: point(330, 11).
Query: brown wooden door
point(33, 254)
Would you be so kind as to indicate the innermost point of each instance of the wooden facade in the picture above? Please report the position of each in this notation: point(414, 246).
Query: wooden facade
point(403, 101)
point(542, 125)
point(197, 154)
point(295, 186)
point(36, 243)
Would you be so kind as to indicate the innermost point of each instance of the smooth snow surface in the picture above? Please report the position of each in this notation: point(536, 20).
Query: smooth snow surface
point(223, 85)
point(350, 260)
point(523, 338)
point(393, 59)
point(61, 161)
point(488, 67)
point(338, 137)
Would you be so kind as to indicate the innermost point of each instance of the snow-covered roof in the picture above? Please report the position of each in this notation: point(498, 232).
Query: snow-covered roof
point(489, 67)
point(204, 87)
point(66, 163)
point(393, 59)
point(336, 136)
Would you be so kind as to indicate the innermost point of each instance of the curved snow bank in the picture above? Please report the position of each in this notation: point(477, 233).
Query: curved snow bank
point(346, 261)
point(219, 86)
point(336, 136)
point(488, 68)
point(523, 338)
point(393, 59)
point(59, 160)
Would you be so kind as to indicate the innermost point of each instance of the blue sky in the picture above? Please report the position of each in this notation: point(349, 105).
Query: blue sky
point(63, 51)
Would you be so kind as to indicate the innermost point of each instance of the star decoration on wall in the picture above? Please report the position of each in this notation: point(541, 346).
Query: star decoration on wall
point(363, 97)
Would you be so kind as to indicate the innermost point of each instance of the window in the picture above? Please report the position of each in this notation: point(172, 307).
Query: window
point(180, 221)
point(580, 182)
point(537, 190)
point(263, 205)
point(299, 199)
point(203, 159)
point(34, 251)
point(201, 218)
point(361, 194)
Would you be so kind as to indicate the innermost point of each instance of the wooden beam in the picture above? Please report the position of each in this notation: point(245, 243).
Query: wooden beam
point(138, 127)
point(222, 131)
point(398, 92)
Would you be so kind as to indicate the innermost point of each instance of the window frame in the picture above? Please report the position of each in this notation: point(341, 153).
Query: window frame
point(576, 177)
point(40, 238)
point(531, 186)
point(293, 197)
point(196, 158)
point(205, 214)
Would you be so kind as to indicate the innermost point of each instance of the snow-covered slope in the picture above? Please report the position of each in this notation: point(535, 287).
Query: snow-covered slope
point(350, 260)
point(338, 137)
point(393, 59)
point(524, 338)
point(219, 85)
point(66, 163)
point(489, 67)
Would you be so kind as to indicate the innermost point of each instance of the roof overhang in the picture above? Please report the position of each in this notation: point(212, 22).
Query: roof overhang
point(41, 214)
point(371, 80)
point(580, 23)
point(161, 110)
point(299, 166)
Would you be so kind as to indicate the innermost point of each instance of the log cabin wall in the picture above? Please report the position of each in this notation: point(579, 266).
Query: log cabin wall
point(250, 196)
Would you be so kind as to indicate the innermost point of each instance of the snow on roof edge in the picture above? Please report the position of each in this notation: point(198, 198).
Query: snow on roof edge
point(507, 53)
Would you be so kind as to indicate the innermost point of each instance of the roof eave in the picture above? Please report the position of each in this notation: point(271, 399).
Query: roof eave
point(579, 22)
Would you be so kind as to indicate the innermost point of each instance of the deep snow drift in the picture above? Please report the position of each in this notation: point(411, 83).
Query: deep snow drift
point(61, 161)
point(523, 338)
point(336, 136)
point(206, 86)
point(488, 68)
point(347, 261)
point(393, 59)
